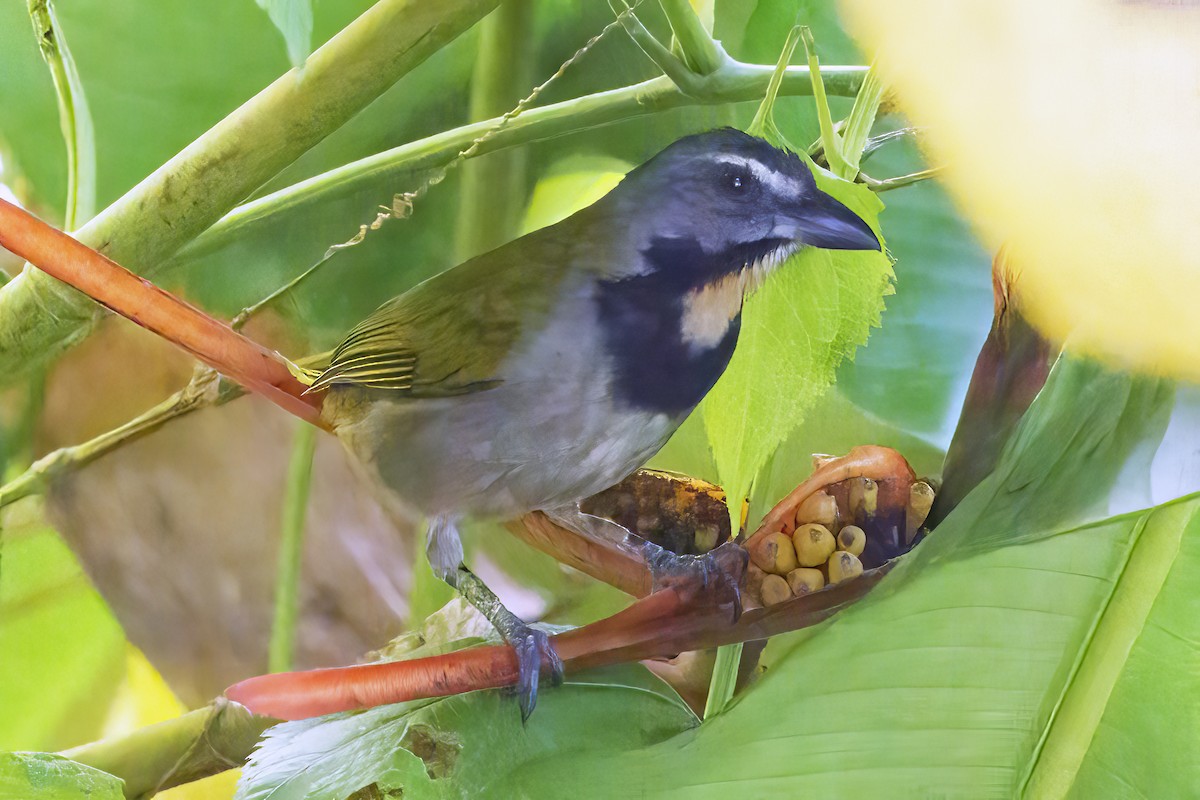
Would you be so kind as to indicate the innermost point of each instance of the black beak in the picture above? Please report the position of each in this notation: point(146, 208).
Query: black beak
point(825, 222)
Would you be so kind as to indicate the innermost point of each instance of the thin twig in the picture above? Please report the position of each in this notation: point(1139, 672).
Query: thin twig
point(900, 181)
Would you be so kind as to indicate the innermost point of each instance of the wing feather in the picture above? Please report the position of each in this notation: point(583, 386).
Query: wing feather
point(450, 335)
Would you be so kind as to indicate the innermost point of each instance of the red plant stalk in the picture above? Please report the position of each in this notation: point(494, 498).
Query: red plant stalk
point(116, 288)
point(661, 625)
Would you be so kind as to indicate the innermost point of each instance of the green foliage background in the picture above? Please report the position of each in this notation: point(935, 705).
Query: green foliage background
point(983, 667)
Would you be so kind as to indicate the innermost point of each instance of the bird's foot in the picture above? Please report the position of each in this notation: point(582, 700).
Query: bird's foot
point(533, 647)
point(534, 652)
point(716, 576)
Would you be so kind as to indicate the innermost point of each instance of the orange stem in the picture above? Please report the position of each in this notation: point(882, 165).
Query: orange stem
point(116, 288)
point(661, 625)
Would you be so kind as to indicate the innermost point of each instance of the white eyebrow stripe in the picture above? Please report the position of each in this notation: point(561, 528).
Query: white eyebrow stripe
point(778, 183)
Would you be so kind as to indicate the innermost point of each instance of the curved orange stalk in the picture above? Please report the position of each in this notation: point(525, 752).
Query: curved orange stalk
point(661, 625)
point(108, 283)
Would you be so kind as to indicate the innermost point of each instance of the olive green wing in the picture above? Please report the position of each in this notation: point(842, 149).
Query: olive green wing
point(449, 335)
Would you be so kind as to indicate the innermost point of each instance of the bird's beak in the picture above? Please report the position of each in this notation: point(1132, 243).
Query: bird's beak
point(824, 222)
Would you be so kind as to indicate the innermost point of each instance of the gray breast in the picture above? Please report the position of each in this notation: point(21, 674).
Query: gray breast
point(551, 433)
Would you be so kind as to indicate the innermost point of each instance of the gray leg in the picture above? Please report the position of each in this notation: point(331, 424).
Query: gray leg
point(718, 571)
point(444, 548)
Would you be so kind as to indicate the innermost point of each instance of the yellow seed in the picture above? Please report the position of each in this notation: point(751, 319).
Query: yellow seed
point(706, 537)
point(920, 500)
point(775, 590)
point(864, 497)
point(843, 566)
point(805, 580)
point(820, 507)
point(775, 554)
point(852, 539)
point(813, 544)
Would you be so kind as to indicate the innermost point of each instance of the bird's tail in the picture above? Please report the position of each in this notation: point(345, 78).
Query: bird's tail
point(215, 343)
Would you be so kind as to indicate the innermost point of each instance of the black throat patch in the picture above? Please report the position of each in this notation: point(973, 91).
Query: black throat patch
point(656, 368)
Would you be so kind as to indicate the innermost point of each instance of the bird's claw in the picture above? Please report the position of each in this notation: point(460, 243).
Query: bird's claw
point(534, 650)
point(717, 574)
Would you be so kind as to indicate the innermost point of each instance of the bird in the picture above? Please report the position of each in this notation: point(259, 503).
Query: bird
point(548, 369)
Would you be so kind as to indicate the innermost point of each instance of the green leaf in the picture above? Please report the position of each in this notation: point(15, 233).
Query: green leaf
point(294, 19)
point(813, 313)
point(570, 184)
point(1062, 462)
point(63, 653)
point(45, 776)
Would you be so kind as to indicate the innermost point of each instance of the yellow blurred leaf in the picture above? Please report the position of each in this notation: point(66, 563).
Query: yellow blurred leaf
point(142, 699)
point(1068, 130)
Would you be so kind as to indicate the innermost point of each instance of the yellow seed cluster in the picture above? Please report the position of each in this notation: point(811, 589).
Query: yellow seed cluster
point(823, 551)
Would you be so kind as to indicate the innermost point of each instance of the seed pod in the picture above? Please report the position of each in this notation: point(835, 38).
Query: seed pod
point(920, 500)
point(852, 539)
point(821, 459)
point(864, 498)
point(775, 554)
point(775, 590)
point(820, 508)
point(805, 580)
point(843, 566)
point(813, 544)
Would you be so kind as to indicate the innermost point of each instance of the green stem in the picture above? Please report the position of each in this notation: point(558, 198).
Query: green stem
point(200, 743)
point(900, 181)
point(861, 120)
point(724, 679)
point(833, 147)
point(291, 550)
point(700, 52)
point(734, 82)
point(40, 318)
point(73, 115)
point(493, 189)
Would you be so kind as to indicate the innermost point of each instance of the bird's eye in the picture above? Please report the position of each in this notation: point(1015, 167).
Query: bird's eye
point(736, 182)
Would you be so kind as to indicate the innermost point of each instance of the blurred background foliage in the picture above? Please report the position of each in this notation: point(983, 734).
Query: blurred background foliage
point(142, 585)
point(182, 556)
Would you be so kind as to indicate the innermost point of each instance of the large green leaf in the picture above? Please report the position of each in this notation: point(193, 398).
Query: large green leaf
point(45, 776)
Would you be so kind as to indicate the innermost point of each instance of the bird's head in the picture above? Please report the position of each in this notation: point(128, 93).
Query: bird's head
point(727, 203)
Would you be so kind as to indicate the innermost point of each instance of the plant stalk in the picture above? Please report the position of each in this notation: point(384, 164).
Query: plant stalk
point(734, 82)
point(40, 318)
point(291, 550)
point(493, 189)
point(187, 748)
